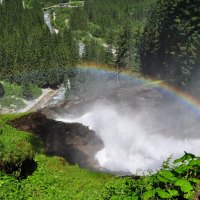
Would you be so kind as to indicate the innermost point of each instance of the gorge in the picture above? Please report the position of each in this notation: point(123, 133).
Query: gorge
point(126, 127)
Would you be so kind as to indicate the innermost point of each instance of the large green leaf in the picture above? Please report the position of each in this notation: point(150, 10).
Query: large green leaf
point(163, 194)
point(173, 192)
point(195, 162)
point(162, 179)
point(194, 180)
point(148, 195)
point(183, 168)
point(167, 174)
point(187, 156)
point(189, 195)
point(184, 184)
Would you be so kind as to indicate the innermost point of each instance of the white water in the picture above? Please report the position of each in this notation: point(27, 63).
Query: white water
point(131, 143)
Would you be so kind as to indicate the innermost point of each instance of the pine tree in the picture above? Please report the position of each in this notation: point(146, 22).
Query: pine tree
point(170, 42)
point(125, 49)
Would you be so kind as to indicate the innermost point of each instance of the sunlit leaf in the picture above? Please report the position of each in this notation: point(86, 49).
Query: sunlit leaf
point(184, 184)
point(148, 195)
point(189, 195)
point(163, 194)
point(173, 192)
point(167, 174)
point(187, 156)
point(194, 180)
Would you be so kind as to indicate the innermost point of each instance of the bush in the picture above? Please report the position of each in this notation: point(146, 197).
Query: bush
point(30, 91)
point(179, 181)
point(17, 149)
point(36, 91)
point(26, 89)
point(12, 90)
point(11, 102)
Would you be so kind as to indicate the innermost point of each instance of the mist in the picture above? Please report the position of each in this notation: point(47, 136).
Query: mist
point(140, 125)
point(131, 143)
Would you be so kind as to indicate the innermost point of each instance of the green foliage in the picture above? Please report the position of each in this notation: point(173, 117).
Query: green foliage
point(2, 90)
point(94, 51)
point(179, 181)
point(111, 15)
point(16, 148)
point(11, 102)
point(52, 178)
point(12, 90)
point(78, 20)
point(170, 42)
point(27, 44)
point(55, 179)
point(26, 89)
point(103, 20)
point(12, 98)
point(30, 91)
point(125, 48)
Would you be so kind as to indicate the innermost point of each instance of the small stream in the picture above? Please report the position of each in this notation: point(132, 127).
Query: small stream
point(47, 19)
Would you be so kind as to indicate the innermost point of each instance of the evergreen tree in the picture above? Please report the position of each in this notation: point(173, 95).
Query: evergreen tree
point(170, 42)
point(26, 90)
point(125, 49)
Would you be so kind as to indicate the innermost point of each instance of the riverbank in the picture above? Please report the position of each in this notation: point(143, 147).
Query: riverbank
point(32, 105)
point(35, 104)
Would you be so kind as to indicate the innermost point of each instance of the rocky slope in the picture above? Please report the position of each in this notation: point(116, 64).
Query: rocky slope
point(73, 141)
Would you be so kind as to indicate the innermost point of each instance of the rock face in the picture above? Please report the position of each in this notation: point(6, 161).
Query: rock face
point(134, 97)
point(73, 141)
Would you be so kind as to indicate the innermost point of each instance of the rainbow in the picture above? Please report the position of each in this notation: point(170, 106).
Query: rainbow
point(183, 97)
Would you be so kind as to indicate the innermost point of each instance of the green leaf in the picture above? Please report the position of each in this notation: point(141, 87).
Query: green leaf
point(184, 184)
point(189, 195)
point(162, 179)
point(173, 192)
point(182, 168)
point(148, 195)
point(195, 162)
point(135, 198)
point(194, 180)
point(187, 156)
point(163, 194)
point(167, 174)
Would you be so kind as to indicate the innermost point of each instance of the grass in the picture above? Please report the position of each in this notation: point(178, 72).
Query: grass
point(53, 177)
point(13, 90)
point(13, 97)
point(11, 102)
point(15, 146)
point(62, 14)
point(36, 91)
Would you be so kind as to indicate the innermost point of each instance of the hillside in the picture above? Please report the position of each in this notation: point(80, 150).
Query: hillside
point(113, 76)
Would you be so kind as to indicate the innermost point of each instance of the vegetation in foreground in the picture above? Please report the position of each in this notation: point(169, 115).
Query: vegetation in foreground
point(12, 95)
point(27, 173)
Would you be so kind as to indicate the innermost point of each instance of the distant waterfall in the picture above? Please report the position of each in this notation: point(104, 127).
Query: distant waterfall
point(47, 19)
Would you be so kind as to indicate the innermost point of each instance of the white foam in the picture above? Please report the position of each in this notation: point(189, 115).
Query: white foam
point(129, 144)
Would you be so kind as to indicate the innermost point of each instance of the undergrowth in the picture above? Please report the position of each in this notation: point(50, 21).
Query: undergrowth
point(181, 180)
point(26, 173)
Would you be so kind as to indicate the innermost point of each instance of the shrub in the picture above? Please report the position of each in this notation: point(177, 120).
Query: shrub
point(17, 149)
point(12, 90)
point(179, 181)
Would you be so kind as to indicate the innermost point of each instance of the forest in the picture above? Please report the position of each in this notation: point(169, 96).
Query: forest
point(158, 39)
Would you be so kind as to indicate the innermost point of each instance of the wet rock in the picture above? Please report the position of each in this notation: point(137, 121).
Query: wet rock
point(73, 141)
